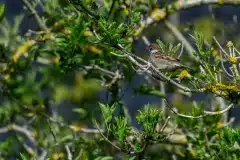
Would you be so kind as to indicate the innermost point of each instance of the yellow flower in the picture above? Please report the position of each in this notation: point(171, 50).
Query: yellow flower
point(215, 53)
point(58, 24)
point(46, 36)
point(94, 49)
point(139, 30)
point(58, 156)
point(125, 11)
point(184, 74)
point(66, 31)
point(220, 124)
point(233, 60)
point(87, 33)
point(229, 44)
point(75, 128)
point(6, 77)
point(158, 14)
point(55, 60)
point(31, 151)
point(214, 89)
point(22, 49)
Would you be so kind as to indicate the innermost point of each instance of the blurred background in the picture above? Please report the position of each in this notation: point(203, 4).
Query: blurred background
point(211, 20)
point(52, 93)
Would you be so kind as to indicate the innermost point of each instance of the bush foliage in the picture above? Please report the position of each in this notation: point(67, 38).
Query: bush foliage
point(83, 50)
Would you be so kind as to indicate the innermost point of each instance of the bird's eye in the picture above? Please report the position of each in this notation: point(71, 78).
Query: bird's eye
point(150, 49)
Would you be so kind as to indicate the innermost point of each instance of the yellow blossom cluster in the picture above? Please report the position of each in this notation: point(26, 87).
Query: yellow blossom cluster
point(93, 49)
point(75, 128)
point(233, 60)
point(222, 87)
point(158, 14)
point(184, 74)
point(58, 156)
point(23, 49)
point(87, 33)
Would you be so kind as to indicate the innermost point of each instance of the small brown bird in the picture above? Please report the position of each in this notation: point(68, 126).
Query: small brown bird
point(162, 61)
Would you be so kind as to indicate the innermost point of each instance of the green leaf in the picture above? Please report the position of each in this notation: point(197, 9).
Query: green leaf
point(121, 128)
point(132, 158)
point(80, 111)
point(2, 11)
point(149, 118)
point(107, 158)
point(24, 157)
point(162, 45)
point(176, 48)
point(107, 111)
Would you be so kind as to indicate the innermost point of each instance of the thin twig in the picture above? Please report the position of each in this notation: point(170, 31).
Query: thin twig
point(130, 12)
point(97, 126)
point(181, 51)
point(220, 46)
point(40, 22)
point(145, 40)
point(114, 80)
point(181, 38)
point(111, 9)
point(51, 131)
point(85, 130)
point(69, 154)
point(163, 105)
point(224, 66)
point(236, 50)
point(165, 124)
point(84, 9)
point(17, 128)
point(112, 74)
point(43, 155)
point(206, 113)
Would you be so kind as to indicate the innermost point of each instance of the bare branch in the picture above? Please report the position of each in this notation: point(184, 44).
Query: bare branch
point(20, 129)
point(206, 113)
point(84, 9)
point(118, 148)
point(33, 11)
point(181, 51)
point(145, 40)
point(69, 154)
point(165, 124)
point(167, 79)
point(224, 66)
point(84, 130)
point(220, 46)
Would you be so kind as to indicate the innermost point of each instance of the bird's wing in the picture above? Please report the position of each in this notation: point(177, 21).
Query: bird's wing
point(166, 57)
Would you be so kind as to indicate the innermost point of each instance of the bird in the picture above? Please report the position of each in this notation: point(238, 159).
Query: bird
point(162, 61)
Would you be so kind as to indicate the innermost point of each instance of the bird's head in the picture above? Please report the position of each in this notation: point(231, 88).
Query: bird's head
point(154, 48)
